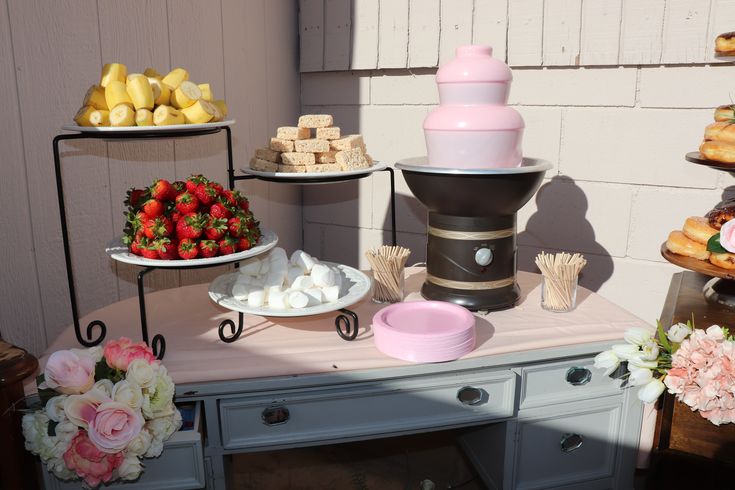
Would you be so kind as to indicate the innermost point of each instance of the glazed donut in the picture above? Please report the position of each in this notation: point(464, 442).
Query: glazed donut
point(720, 131)
point(679, 244)
point(726, 261)
point(721, 214)
point(697, 228)
point(725, 113)
point(718, 151)
point(725, 44)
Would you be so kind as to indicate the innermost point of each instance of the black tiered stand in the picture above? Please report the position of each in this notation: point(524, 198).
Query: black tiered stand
point(346, 322)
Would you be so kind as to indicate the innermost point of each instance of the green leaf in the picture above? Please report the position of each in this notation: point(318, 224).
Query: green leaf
point(102, 370)
point(662, 336)
point(46, 394)
point(52, 428)
point(713, 245)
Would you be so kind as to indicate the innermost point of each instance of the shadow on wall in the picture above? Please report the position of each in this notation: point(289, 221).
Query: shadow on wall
point(560, 224)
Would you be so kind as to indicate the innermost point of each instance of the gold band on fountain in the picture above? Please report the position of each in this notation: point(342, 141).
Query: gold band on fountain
point(471, 235)
point(471, 286)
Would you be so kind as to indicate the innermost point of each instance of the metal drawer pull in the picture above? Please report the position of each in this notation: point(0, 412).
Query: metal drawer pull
point(275, 415)
point(469, 395)
point(578, 376)
point(571, 442)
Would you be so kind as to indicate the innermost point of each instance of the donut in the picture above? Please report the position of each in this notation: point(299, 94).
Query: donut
point(725, 44)
point(725, 113)
point(720, 131)
point(697, 228)
point(679, 244)
point(721, 214)
point(718, 151)
point(726, 261)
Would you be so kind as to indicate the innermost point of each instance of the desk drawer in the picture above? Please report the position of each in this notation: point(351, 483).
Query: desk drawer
point(363, 409)
point(561, 382)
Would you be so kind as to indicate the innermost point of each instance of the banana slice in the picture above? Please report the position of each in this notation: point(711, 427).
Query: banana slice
point(175, 77)
point(140, 92)
point(100, 117)
point(82, 117)
point(113, 71)
point(122, 115)
point(206, 91)
point(185, 95)
point(116, 93)
point(165, 115)
point(152, 73)
point(161, 92)
point(220, 103)
point(95, 97)
point(143, 117)
point(200, 112)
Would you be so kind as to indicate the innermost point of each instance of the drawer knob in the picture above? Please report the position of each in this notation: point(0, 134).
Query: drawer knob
point(571, 442)
point(275, 415)
point(578, 376)
point(469, 395)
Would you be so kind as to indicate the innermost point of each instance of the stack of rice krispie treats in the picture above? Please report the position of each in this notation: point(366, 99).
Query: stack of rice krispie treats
point(315, 145)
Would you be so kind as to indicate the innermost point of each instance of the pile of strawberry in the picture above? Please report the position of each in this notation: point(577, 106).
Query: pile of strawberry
point(197, 218)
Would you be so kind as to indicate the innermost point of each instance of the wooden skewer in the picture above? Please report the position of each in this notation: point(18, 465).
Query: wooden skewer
point(388, 264)
point(561, 272)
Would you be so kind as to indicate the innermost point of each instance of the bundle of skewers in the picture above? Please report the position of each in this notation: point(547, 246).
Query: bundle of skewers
point(388, 264)
point(561, 273)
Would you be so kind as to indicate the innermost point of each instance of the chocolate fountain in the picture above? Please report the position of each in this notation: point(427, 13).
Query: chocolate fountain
point(473, 183)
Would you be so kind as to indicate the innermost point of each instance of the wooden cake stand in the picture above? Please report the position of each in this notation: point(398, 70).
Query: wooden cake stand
point(720, 289)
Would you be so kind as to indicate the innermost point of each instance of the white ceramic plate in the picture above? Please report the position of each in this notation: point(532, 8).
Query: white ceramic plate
point(355, 286)
point(119, 251)
point(147, 129)
point(314, 175)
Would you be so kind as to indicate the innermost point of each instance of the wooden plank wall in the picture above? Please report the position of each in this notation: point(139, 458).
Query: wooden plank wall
point(50, 52)
point(424, 33)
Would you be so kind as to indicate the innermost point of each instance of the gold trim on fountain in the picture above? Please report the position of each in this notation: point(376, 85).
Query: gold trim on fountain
point(471, 235)
point(471, 286)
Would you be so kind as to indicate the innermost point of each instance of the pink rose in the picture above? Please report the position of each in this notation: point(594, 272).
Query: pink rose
point(114, 426)
point(82, 409)
point(69, 372)
point(87, 461)
point(727, 236)
point(120, 353)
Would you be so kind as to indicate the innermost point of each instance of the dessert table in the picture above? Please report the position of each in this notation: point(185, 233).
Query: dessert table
point(532, 409)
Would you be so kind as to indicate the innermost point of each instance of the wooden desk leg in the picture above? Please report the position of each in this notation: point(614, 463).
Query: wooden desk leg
point(17, 466)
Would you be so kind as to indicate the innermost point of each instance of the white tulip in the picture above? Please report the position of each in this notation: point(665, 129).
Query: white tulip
point(608, 361)
point(715, 332)
point(651, 391)
point(678, 332)
point(649, 351)
point(625, 351)
point(640, 377)
point(635, 363)
point(637, 335)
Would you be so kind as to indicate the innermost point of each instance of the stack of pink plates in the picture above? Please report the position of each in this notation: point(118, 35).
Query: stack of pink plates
point(424, 331)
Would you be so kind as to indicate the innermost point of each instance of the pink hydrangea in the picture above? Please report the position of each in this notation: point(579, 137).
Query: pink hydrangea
point(120, 353)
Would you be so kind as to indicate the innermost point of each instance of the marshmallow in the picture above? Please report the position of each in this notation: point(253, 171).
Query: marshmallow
point(292, 273)
point(268, 291)
point(278, 301)
point(278, 255)
point(265, 266)
point(250, 267)
point(303, 260)
point(302, 282)
point(298, 299)
point(323, 275)
point(331, 294)
point(256, 298)
point(316, 297)
point(274, 278)
point(240, 291)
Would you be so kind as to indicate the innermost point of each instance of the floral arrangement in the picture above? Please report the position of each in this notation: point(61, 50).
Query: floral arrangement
point(697, 366)
point(104, 409)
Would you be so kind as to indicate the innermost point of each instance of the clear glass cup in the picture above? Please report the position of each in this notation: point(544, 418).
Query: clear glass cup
point(557, 295)
point(388, 286)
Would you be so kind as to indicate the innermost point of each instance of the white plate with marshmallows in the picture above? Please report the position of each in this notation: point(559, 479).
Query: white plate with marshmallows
point(275, 285)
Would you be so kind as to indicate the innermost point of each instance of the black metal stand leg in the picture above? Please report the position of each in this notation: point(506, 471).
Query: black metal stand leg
point(345, 328)
point(392, 203)
point(230, 166)
point(88, 340)
point(158, 344)
point(235, 330)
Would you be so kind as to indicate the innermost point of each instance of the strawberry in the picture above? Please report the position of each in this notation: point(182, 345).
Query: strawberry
point(176, 216)
point(217, 187)
point(137, 246)
point(193, 181)
point(166, 249)
point(243, 204)
point(206, 193)
point(186, 202)
point(229, 197)
point(135, 197)
point(153, 208)
point(227, 245)
point(188, 249)
point(158, 227)
point(219, 210)
point(180, 186)
point(149, 252)
point(244, 243)
point(163, 190)
point(190, 225)
point(208, 248)
point(238, 225)
point(216, 228)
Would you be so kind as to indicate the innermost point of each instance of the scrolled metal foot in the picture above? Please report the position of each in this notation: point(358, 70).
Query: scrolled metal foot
point(90, 341)
point(235, 330)
point(158, 346)
point(345, 328)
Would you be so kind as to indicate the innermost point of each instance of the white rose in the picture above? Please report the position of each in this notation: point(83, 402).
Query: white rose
point(65, 432)
point(650, 392)
point(678, 332)
point(635, 363)
point(163, 427)
point(608, 361)
point(140, 445)
point(128, 393)
point(142, 374)
point(130, 468)
point(625, 351)
point(160, 402)
point(155, 449)
point(35, 429)
point(649, 351)
point(59, 469)
point(637, 335)
point(640, 377)
point(55, 408)
point(103, 386)
point(715, 332)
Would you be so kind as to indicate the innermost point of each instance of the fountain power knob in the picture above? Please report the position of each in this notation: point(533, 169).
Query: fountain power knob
point(483, 257)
